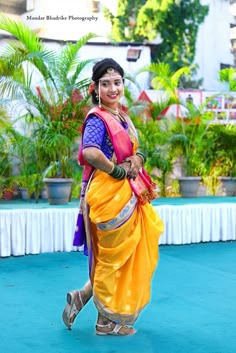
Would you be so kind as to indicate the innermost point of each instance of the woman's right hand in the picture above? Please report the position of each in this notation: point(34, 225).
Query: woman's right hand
point(126, 166)
point(135, 163)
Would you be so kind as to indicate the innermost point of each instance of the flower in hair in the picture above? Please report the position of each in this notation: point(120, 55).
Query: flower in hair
point(91, 88)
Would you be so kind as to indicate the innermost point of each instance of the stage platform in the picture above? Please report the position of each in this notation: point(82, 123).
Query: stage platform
point(30, 228)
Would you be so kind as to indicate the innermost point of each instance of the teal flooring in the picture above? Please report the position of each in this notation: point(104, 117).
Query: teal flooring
point(192, 309)
point(19, 203)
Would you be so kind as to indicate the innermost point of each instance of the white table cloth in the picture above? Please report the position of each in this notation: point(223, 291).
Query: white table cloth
point(34, 231)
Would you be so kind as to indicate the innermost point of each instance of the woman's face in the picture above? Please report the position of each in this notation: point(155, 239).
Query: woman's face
point(111, 88)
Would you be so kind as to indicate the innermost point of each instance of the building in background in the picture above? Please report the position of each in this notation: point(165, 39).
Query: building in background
point(213, 49)
point(69, 20)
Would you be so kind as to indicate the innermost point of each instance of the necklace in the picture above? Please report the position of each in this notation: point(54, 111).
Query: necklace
point(115, 112)
point(112, 111)
point(117, 115)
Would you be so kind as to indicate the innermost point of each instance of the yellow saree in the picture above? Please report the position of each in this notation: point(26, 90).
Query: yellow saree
point(124, 238)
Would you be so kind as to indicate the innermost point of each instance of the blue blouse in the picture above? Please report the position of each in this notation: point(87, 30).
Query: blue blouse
point(96, 135)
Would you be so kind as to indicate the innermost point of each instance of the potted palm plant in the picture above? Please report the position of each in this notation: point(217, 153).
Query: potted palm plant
point(190, 146)
point(154, 136)
point(7, 186)
point(153, 133)
point(159, 127)
point(58, 134)
point(6, 181)
point(29, 162)
point(223, 156)
point(51, 88)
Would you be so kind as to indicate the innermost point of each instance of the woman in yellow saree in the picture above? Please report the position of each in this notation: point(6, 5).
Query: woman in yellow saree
point(116, 223)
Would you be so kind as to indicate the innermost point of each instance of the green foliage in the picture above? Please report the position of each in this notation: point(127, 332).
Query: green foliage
point(164, 78)
point(5, 160)
point(33, 183)
point(23, 33)
point(123, 28)
point(4, 118)
point(77, 181)
point(154, 138)
point(63, 168)
point(154, 129)
point(221, 153)
point(189, 138)
point(153, 133)
point(229, 75)
point(176, 22)
point(188, 142)
point(50, 89)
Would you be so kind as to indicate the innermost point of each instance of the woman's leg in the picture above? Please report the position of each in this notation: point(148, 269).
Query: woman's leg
point(76, 300)
point(87, 291)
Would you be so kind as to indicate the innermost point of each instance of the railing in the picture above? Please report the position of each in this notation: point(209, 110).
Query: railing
point(222, 105)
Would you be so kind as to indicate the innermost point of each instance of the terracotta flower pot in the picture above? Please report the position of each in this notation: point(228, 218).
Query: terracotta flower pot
point(7, 194)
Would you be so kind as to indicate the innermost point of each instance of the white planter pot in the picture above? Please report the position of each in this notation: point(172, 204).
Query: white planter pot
point(189, 186)
point(24, 194)
point(44, 194)
point(228, 185)
point(58, 190)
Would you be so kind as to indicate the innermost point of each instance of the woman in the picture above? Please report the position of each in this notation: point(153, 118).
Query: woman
point(119, 229)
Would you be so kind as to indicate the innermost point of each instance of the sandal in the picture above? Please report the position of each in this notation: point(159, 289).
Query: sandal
point(71, 309)
point(115, 331)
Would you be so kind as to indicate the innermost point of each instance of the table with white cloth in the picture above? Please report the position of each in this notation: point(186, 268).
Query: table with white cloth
point(30, 228)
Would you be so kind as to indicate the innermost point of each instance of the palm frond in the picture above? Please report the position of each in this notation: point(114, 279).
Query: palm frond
point(12, 88)
point(82, 85)
point(155, 68)
point(69, 54)
point(79, 69)
point(10, 70)
point(133, 80)
point(164, 78)
point(22, 32)
point(4, 117)
point(42, 61)
point(28, 47)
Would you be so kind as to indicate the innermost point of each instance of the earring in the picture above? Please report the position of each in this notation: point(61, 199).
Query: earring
point(99, 95)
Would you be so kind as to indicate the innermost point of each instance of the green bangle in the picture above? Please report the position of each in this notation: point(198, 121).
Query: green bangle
point(142, 155)
point(118, 172)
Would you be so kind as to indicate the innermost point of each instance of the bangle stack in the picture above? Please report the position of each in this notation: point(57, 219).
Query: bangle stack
point(142, 156)
point(118, 172)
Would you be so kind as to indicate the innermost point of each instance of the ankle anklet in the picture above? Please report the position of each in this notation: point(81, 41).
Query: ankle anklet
point(107, 325)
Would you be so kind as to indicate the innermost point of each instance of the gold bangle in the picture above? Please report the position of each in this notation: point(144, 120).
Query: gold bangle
point(112, 168)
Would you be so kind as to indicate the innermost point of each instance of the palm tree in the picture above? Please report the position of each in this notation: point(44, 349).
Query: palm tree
point(47, 88)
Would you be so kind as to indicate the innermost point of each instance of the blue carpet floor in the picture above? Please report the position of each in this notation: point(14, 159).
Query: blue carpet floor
point(192, 310)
